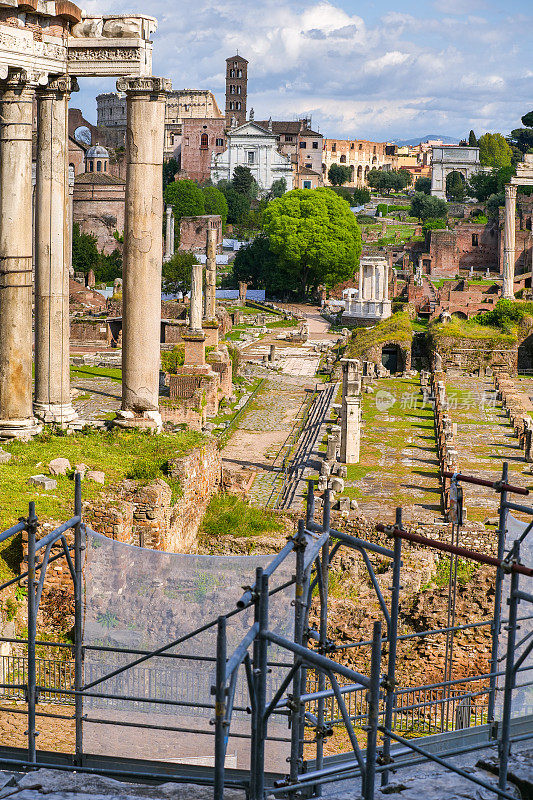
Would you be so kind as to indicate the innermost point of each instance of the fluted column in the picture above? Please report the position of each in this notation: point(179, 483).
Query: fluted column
point(52, 255)
point(143, 248)
point(509, 242)
point(211, 274)
point(360, 282)
point(16, 414)
point(168, 231)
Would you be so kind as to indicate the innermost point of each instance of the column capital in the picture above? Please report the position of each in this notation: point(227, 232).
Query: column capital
point(148, 85)
point(64, 84)
point(510, 191)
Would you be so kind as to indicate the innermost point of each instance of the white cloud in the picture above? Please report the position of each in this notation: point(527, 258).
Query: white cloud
point(400, 76)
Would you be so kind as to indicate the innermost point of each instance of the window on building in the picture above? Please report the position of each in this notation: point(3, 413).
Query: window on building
point(315, 145)
point(219, 142)
point(303, 145)
point(352, 146)
point(360, 147)
point(231, 105)
point(334, 147)
point(309, 166)
point(237, 106)
point(232, 89)
point(234, 63)
point(232, 73)
point(343, 159)
point(374, 151)
point(251, 157)
point(91, 166)
point(238, 88)
point(307, 185)
point(186, 141)
point(475, 240)
point(105, 166)
point(528, 224)
point(204, 141)
point(288, 138)
point(98, 166)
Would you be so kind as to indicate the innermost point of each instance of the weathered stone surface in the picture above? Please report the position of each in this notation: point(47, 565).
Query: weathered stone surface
point(59, 466)
point(5, 457)
point(43, 481)
point(95, 475)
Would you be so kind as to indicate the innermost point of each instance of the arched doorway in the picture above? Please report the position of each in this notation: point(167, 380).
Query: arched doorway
point(455, 186)
point(391, 358)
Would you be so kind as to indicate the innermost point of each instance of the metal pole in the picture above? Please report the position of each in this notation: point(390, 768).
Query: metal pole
point(256, 710)
point(393, 643)
point(504, 746)
point(262, 669)
point(373, 714)
point(502, 526)
point(322, 642)
point(310, 506)
point(78, 618)
point(32, 632)
point(220, 710)
point(299, 621)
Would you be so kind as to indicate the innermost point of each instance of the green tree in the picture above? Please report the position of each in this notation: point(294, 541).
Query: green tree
point(472, 141)
point(186, 199)
point(455, 186)
point(344, 192)
point(483, 184)
point(238, 204)
point(389, 180)
point(425, 207)
point(361, 196)
point(243, 181)
point(215, 202)
point(527, 120)
point(255, 264)
point(109, 267)
point(403, 178)
point(423, 185)
point(315, 238)
point(85, 255)
point(170, 168)
point(339, 174)
point(278, 188)
point(494, 202)
point(177, 273)
point(494, 151)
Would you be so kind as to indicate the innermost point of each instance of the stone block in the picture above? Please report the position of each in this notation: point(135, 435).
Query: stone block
point(59, 466)
point(43, 481)
point(95, 475)
point(5, 457)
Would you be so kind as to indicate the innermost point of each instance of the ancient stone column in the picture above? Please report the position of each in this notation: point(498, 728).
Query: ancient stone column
point(52, 256)
point(168, 231)
point(143, 247)
point(172, 233)
point(16, 414)
point(350, 412)
point(360, 282)
point(509, 242)
point(211, 274)
point(194, 337)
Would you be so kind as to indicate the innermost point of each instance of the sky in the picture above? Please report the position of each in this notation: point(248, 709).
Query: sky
point(377, 70)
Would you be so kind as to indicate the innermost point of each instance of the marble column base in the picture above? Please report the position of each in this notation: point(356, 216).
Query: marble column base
point(55, 413)
point(146, 420)
point(19, 428)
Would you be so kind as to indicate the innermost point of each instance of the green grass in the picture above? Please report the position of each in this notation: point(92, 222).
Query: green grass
point(114, 374)
point(229, 515)
point(465, 571)
point(397, 328)
point(283, 323)
point(116, 452)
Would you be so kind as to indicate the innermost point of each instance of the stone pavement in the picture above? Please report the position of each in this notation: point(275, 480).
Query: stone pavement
point(484, 440)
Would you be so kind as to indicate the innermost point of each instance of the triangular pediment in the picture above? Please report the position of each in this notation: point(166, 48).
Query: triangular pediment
point(250, 128)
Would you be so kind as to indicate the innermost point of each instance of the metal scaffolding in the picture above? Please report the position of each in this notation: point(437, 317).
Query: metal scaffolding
point(371, 702)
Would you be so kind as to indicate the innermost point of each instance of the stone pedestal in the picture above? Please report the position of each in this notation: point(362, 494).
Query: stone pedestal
point(16, 414)
point(350, 412)
point(143, 246)
point(52, 257)
point(509, 245)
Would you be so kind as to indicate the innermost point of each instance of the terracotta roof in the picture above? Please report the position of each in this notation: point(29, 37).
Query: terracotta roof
point(307, 171)
point(291, 127)
point(99, 178)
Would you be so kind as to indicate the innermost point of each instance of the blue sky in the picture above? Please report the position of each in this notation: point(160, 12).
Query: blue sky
point(368, 69)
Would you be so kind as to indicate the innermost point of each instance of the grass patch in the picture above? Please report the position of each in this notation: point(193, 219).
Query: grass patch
point(114, 374)
point(282, 323)
point(227, 514)
point(117, 452)
point(465, 571)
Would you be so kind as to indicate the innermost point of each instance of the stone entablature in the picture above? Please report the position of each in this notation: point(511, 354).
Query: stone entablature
point(117, 44)
point(449, 158)
point(369, 303)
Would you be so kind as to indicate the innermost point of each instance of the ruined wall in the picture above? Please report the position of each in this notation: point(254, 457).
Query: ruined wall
point(193, 232)
point(476, 356)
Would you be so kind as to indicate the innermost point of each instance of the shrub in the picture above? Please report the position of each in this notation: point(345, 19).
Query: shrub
point(171, 360)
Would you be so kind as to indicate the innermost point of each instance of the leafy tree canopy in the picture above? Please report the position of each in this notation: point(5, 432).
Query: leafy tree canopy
point(177, 273)
point(423, 185)
point(455, 186)
point(278, 188)
point(170, 168)
point(339, 174)
point(215, 202)
point(483, 184)
point(315, 238)
point(243, 182)
point(186, 199)
point(527, 120)
point(361, 196)
point(494, 151)
point(494, 202)
point(256, 265)
point(238, 204)
point(86, 256)
point(472, 141)
point(389, 180)
point(425, 207)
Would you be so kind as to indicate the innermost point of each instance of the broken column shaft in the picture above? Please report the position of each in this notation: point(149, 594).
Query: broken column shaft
point(211, 274)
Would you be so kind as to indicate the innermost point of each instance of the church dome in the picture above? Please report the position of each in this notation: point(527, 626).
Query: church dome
point(97, 151)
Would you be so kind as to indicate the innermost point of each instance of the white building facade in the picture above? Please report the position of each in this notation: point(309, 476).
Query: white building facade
point(369, 303)
point(250, 145)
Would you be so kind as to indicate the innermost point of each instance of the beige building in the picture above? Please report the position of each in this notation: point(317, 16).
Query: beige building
point(298, 140)
point(359, 155)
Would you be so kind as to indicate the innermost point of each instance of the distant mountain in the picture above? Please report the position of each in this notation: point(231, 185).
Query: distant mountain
point(418, 139)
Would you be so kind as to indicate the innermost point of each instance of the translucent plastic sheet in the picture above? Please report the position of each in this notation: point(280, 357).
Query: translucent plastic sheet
point(523, 693)
point(137, 599)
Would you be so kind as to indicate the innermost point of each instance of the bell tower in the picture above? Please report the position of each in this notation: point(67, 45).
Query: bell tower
point(236, 89)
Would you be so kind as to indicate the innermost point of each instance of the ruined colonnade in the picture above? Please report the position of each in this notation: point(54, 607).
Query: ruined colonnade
point(524, 177)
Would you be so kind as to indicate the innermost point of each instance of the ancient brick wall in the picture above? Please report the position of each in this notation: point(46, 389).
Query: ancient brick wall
point(193, 232)
point(196, 151)
point(475, 356)
point(90, 331)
